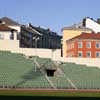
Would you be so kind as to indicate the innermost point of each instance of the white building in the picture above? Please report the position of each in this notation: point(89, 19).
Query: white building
point(7, 33)
point(8, 37)
point(11, 23)
point(91, 24)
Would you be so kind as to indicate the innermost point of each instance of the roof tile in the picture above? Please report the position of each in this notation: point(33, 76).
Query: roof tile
point(87, 36)
point(5, 28)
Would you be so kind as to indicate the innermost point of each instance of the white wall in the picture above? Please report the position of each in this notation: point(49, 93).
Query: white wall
point(9, 44)
point(43, 53)
point(92, 25)
point(16, 28)
point(90, 62)
point(6, 35)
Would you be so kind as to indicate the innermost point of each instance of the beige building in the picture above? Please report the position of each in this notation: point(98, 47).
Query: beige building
point(7, 33)
point(11, 23)
point(70, 32)
point(8, 37)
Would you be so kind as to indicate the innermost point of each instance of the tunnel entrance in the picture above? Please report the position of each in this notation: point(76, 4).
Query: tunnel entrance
point(50, 72)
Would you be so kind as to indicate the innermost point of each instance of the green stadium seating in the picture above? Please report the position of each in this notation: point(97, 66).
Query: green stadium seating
point(83, 77)
point(17, 71)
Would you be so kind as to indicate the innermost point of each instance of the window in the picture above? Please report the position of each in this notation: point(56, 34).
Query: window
point(88, 54)
point(72, 45)
point(12, 36)
point(80, 54)
point(79, 44)
point(97, 54)
point(98, 45)
point(88, 44)
point(1, 36)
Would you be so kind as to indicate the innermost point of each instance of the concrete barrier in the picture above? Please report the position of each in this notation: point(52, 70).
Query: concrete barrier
point(90, 62)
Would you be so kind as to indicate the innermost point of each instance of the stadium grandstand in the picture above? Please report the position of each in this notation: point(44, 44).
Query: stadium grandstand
point(19, 71)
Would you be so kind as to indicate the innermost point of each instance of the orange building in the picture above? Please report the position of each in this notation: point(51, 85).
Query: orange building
point(70, 32)
point(84, 45)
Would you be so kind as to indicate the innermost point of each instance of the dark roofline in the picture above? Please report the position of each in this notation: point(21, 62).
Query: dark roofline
point(29, 29)
point(40, 29)
point(9, 21)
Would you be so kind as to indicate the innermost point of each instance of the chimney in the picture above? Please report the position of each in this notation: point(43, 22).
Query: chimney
point(84, 22)
point(0, 22)
point(98, 20)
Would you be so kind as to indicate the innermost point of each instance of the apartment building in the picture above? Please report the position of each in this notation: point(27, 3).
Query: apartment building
point(86, 45)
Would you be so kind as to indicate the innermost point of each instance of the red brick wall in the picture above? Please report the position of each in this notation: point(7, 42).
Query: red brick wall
point(84, 49)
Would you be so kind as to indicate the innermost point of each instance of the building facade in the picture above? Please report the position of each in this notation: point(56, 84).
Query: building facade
point(85, 45)
point(7, 33)
point(28, 37)
point(92, 24)
point(37, 37)
point(33, 37)
point(70, 32)
point(11, 23)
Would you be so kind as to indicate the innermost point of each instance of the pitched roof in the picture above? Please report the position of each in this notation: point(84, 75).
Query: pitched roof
point(44, 31)
point(78, 26)
point(29, 29)
point(5, 28)
point(87, 36)
point(9, 21)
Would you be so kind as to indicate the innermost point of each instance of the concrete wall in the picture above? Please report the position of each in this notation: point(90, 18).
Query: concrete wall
point(9, 44)
point(91, 62)
point(43, 53)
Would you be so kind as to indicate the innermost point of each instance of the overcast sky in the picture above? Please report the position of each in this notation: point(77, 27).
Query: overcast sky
point(53, 14)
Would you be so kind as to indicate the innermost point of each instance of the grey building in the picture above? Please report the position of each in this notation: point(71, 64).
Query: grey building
point(37, 37)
